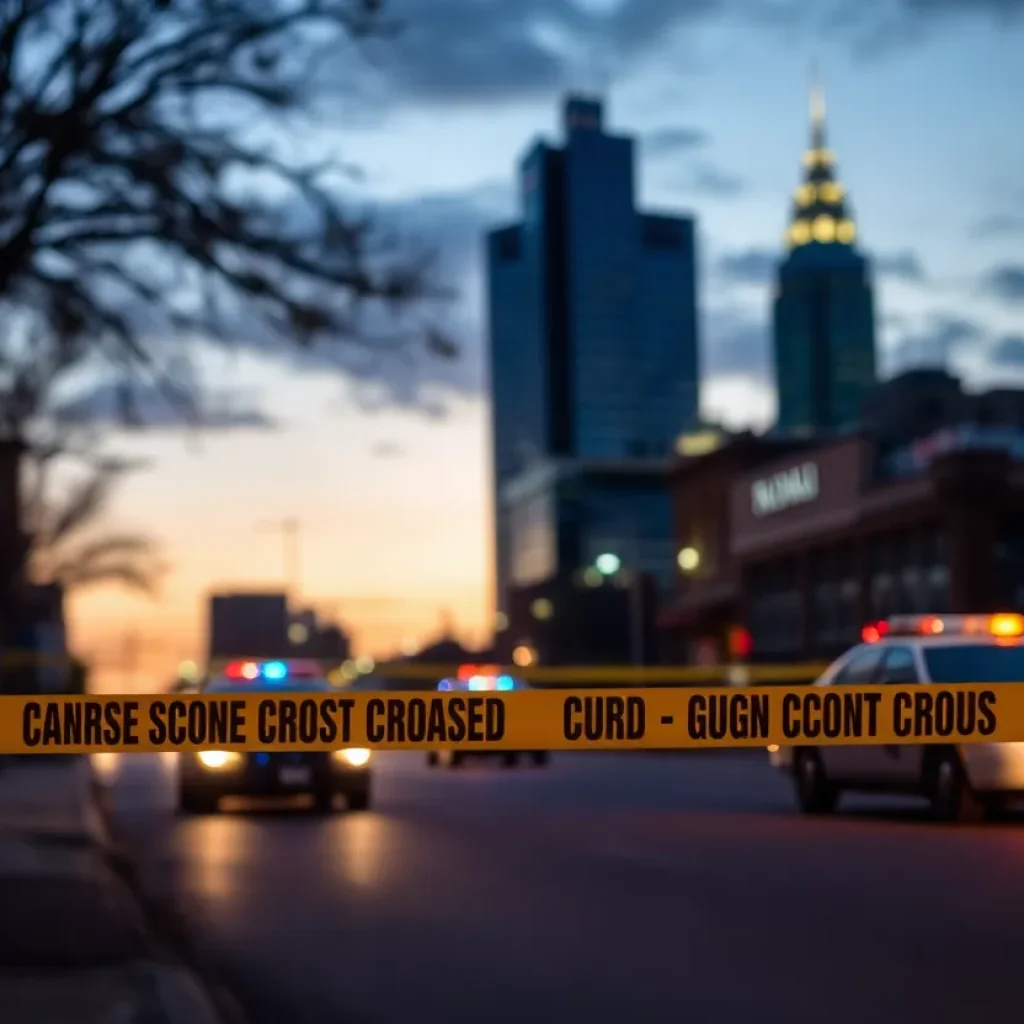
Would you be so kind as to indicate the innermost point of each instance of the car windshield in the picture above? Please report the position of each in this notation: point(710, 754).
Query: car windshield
point(222, 685)
point(975, 663)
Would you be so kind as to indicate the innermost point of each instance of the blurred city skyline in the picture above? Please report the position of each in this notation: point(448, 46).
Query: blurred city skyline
point(394, 501)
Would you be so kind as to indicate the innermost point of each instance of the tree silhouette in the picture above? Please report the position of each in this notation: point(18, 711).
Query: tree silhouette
point(67, 479)
point(146, 183)
point(150, 192)
point(67, 542)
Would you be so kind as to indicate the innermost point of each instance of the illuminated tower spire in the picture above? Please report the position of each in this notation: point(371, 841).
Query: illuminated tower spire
point(817, 110)
point(819, 209)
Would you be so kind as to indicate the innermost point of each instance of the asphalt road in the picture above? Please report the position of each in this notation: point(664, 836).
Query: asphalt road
point(603, 889)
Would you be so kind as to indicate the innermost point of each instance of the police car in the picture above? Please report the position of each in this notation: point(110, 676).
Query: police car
point(959, 780)
point(205, 777)
point(481, 679)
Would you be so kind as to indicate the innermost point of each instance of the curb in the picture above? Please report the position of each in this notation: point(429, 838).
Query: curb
point(183, 988)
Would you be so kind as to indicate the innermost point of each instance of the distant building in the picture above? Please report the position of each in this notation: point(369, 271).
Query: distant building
point(592, 312)
point(592, 540)
point(797, 545)
point(262, 626)
point(564, 515)
point(914, 415)
point(248, 626)
point(310, 637)
point(591, 618)
point(824, 317)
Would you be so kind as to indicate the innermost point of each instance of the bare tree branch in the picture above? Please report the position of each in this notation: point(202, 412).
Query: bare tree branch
point(128, 162)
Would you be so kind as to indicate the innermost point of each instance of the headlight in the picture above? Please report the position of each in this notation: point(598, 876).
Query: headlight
point(218, 758)
point(355, 757)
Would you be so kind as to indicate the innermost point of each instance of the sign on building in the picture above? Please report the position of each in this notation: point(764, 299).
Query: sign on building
point(785, 489)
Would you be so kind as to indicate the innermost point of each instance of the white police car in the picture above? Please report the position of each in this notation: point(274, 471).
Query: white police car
point(481, 679)
point(958, 780)
point(206, 776)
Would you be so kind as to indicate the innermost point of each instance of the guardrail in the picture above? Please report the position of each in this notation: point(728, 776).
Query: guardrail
point(558, 676)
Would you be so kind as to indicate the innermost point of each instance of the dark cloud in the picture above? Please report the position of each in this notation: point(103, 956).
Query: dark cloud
point(1002, 10)
point(709, 180)
point(874, 29)
point(736, 343)
point(941, 339)
point(752, 266)
point(388, 371)
point(452, 223)
point(1006, 282)
point(671, 141)
point(905, 265)
point(147, 406)
point(478, 51)
point(1008, 352)
point(998, 225)
point(454, 51)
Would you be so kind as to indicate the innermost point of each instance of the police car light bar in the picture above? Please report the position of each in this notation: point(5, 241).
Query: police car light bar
point(1004, 624)
point(479, 677)
point(274, 671)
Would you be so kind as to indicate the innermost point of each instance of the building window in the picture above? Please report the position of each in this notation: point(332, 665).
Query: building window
point(776, 620)
point(835, 591)
point(908, 574)
point(1009, 568)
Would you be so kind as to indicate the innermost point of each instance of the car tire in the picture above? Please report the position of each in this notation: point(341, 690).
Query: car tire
point(949, 791)
point(995, 808)
point(193, 802)
point(358, 799)
point(510, 759)
point(814, 793)
point(540, 758)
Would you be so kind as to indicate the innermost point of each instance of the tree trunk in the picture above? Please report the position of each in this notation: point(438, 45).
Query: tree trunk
point(13, 552)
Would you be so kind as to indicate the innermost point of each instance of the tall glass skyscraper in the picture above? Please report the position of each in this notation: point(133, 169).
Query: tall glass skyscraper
point(824, 316)
point(593, 326)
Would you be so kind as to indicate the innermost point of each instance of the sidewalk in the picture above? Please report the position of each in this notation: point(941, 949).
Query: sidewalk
point(74, 945)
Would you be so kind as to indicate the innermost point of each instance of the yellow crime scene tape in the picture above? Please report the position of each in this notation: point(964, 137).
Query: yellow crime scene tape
point(632, 719)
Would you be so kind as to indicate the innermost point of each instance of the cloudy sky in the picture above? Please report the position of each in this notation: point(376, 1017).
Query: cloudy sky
point(388, 472)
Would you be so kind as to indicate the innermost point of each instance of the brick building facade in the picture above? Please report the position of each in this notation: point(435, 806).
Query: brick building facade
point(801, 549)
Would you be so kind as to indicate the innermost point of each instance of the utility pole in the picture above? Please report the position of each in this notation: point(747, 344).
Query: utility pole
point(636, 601)
point(290, 529)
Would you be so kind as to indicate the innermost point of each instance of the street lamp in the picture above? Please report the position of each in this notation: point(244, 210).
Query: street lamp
point(609, 564)
point(688, 559)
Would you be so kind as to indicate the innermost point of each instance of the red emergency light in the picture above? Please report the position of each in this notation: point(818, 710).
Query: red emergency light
point(242, 670)
point(873, 632)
